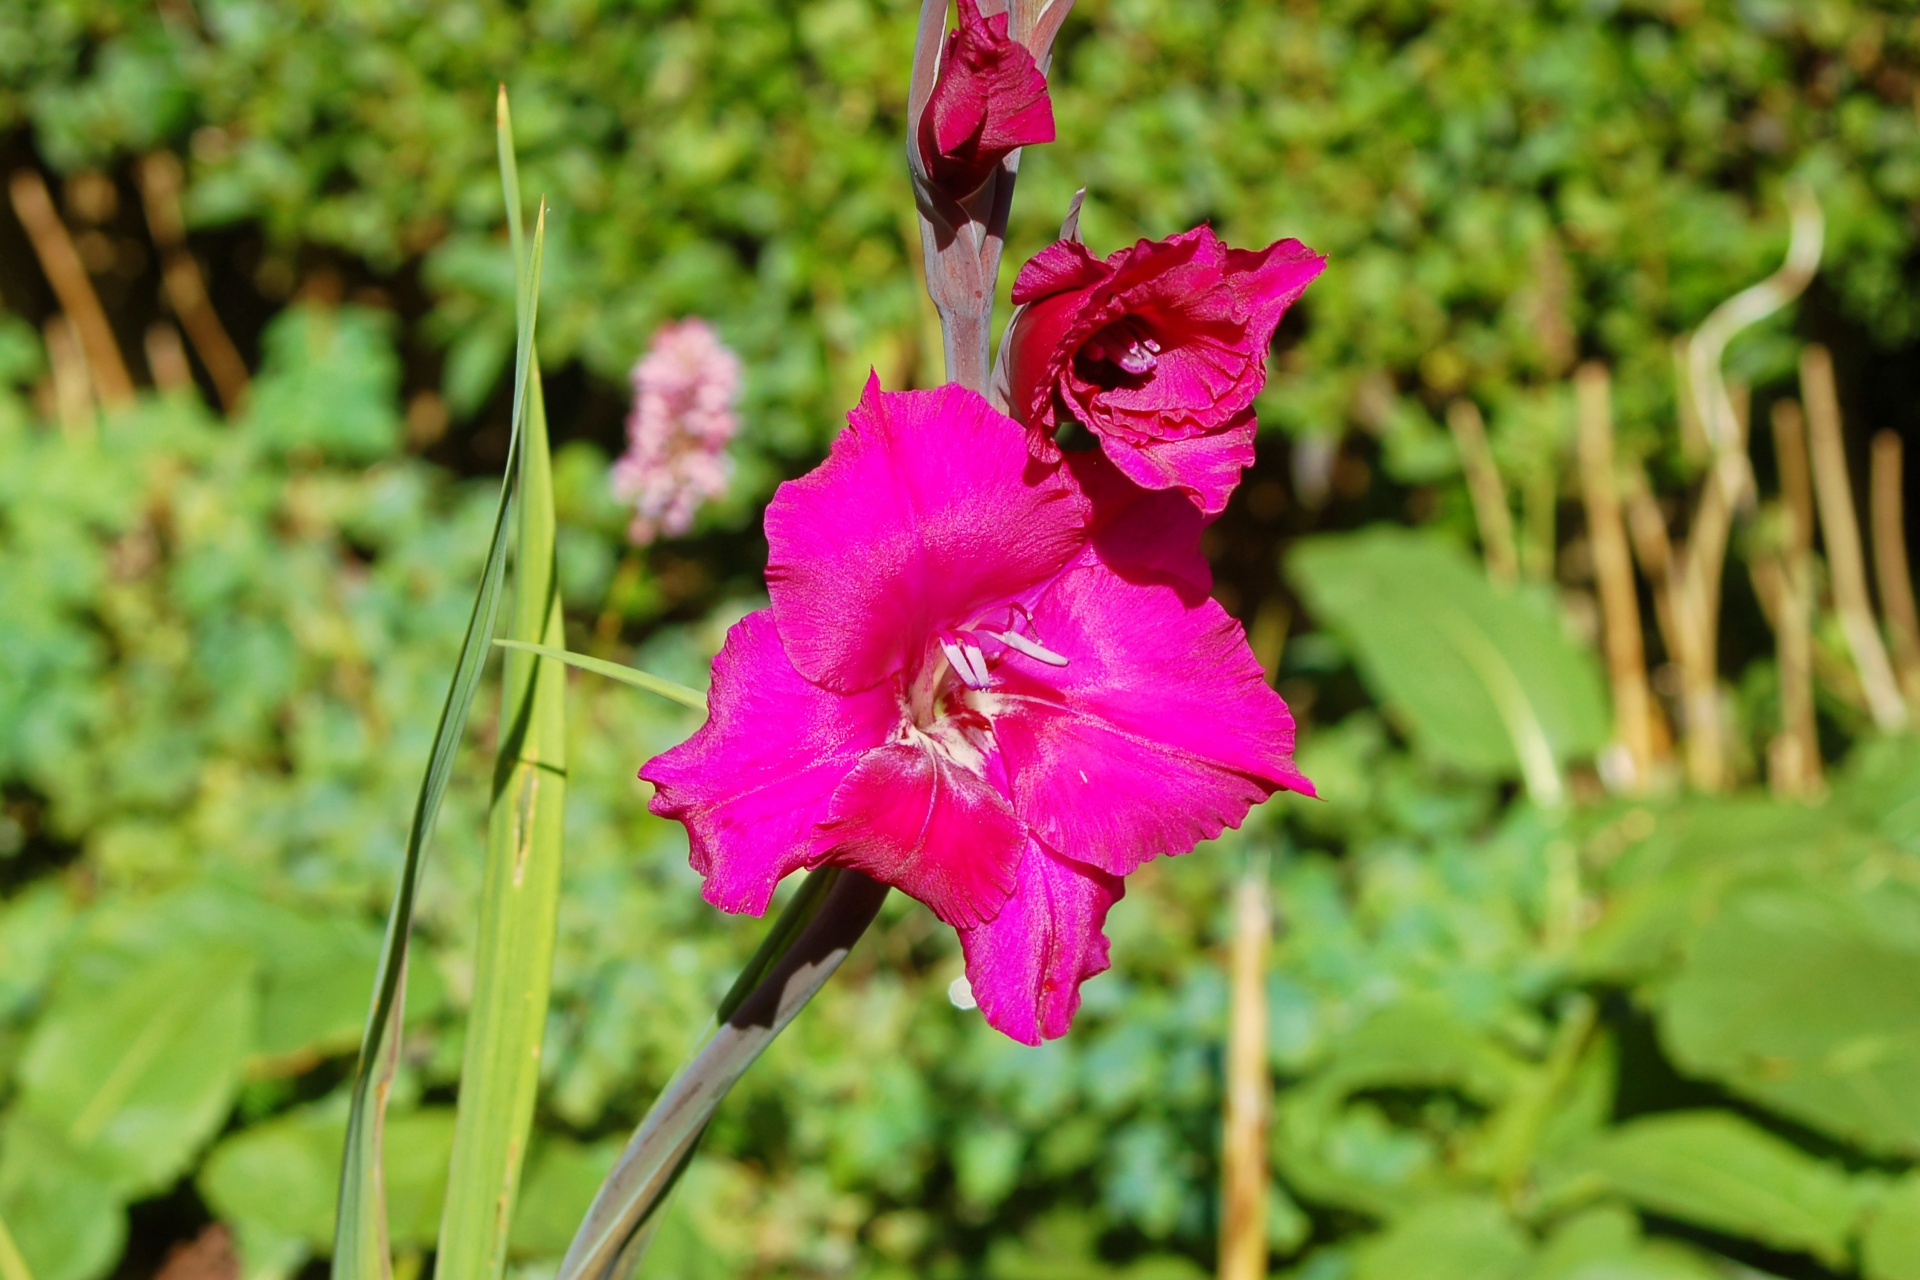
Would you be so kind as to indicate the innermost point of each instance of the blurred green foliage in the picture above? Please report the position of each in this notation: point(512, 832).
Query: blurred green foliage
point(1503, 186)
point(227, 641)
point(1624, 1040)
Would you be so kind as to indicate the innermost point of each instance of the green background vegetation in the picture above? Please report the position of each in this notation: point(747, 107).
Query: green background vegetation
point(1639, 1038)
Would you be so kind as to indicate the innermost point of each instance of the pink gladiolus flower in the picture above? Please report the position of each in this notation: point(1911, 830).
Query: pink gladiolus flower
point(1159, 351)
point(992, 682)
point(684, 391)
point(989, 99)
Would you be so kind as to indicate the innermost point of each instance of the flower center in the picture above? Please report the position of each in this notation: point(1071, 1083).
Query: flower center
point(1127, 343)
point(950, 697)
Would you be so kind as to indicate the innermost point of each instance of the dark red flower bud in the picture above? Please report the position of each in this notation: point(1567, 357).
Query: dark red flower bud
point(1159, 351)
point(990, 99)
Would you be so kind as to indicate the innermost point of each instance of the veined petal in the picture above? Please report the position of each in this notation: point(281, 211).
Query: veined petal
point(1204, 467)
point(1026, 965)
point(1159, 732)
point(754, 781)
point(910, 818)
point(1062, 265)
point(927, 510)
point(1270, 280)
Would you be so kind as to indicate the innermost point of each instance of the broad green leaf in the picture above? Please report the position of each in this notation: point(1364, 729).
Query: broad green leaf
point(1807, 999)
point(1336, 1146)
point(1663, 884)
point(1604, 1243)
point(1718, 1171)
point(276, 1181)
point(136, 1076)
point(360, 1251)
point(520, 900)
point(1481, 679)
point(312, 968)
point(32, 927)
point(67, 1221)
point(639, 679)
point(562, 1176)
point(1890, 1245)
point(1452, 1239)
point(314, 989)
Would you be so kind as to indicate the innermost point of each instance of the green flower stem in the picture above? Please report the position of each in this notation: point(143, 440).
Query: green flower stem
point(807, 943)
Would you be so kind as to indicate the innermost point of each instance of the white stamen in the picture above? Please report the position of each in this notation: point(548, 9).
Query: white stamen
point(977, 665)
point(1014, 640)
point(1136, 359)
point(967, 661)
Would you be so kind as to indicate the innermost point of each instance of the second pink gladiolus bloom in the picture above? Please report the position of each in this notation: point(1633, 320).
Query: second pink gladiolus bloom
point(992, 682)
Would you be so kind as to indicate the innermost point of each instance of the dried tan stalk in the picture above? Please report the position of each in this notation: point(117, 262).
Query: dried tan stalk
point(72, 389)
point(1793, 757)
point(1796, 481)
point(1846, 563)
point(1721, 411)
point(1483, 486)
point(60, 261)
point(1249, 1094)
point(159, 176)
point(167, 358)
point(1888, 517)
point(1613, 571)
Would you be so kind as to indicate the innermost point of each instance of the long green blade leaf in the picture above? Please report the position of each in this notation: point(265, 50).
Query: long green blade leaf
point(802, 950)
point(519, 908)
point(614, 671)
point(360, 1227)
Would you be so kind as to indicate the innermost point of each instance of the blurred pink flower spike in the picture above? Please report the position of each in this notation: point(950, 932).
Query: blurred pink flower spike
point(684, 392)
point(986, 680)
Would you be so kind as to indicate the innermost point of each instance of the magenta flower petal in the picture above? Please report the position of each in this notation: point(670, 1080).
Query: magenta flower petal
point(927, 510)
point(1026, 965)
point(989, 99)
point(1143, 534)
point(910, 817)
point(993, 681)
point(1159, 349)
point(754, 781)
point(1205, 468)
point(1160, 732)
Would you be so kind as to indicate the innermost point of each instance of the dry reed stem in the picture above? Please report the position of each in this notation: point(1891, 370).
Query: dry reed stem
point(1887, 515)
point(1693, 433)
point(1846, 563)
point(1793, 757)
point(61, 264)
point(1249, 1094)
point(159, 176)
point(167, 358)
point(72, 389)
point(1484, 487)
point(1613, 570)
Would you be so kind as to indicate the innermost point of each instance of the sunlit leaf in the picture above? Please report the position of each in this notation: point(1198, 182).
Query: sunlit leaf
point(360, 1251)
point(520, 898)
point(1481, 679)
point(1716, 1170)
point(135, 1076)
